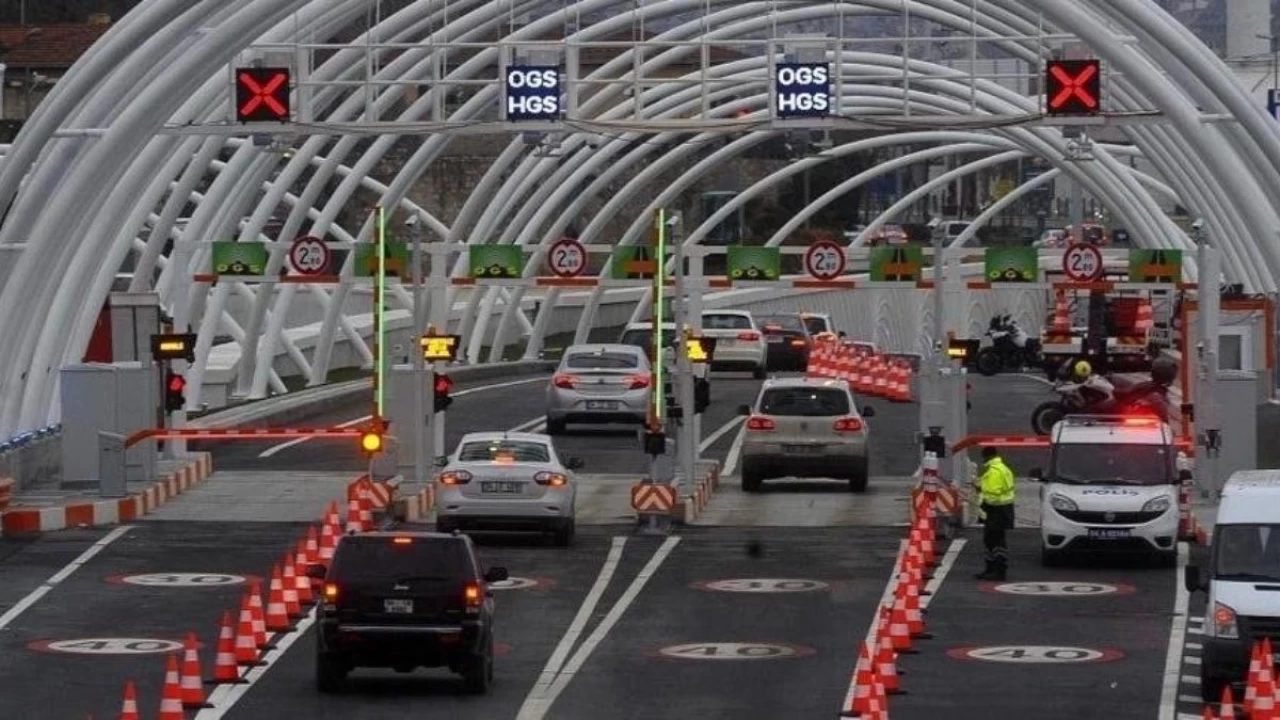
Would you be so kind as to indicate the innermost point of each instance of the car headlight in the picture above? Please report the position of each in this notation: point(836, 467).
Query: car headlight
point(1224, 622)
point(1062, 503)
point(1159, 505)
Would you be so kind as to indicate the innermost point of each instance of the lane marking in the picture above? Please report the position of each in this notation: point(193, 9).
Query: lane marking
point(719, 433)
point(298, 441)
point(224, 697)
point(1177, 636)
point(529, 425)
point(34, 596)
point(588, 607)
point(735, 451)
point(944, 567)
point(536, 708)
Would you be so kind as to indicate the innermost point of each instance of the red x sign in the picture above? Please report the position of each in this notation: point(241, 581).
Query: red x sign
point(1073, 87)
point(262, 94)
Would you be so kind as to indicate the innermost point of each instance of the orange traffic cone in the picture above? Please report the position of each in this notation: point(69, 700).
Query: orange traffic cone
point(277, 612)
point(246, 639)
point(353, 516)
point(899, 632)
point(886, 663)
point(290, 579)
point(328, 541)
point(225, 669)
point(864, 680)
point(331, 515)
point(879, 700)
point(259, 615)
point(1264, 705)
point(129, 707)
point(1227, 707)
point(190, 685)
point(1207, 714)
point(171, 699)
point(312, 547)
point(915, 616)
point(303, 583)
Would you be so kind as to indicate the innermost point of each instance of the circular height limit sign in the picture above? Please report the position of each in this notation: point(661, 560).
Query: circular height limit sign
point(567, 258)
point(309, 255)
point(1082, 263)
point(824, 260)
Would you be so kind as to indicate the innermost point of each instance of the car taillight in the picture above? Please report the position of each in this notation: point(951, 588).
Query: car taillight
point(848, 424)
point(798, 343)
point(455, 477)
point(760, 422)
point(568, 382)
point(550, 478)
point(750, 336)
point(472, 597)
point(330, 593)
point(639, 380)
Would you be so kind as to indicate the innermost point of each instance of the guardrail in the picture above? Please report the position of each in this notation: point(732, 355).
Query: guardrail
point(32, 457)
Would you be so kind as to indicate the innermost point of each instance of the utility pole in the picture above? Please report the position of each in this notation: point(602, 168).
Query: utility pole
point(687, 438)
point(1207, 412)
point(420, 449)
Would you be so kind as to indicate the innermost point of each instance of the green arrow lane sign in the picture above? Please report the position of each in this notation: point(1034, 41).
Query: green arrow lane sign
point(496, 262)
point(239, 258)
point(1011, 264)
point(753, 263)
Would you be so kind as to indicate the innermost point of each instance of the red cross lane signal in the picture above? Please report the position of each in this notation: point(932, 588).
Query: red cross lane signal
point(262, 94)
point(1073, 87)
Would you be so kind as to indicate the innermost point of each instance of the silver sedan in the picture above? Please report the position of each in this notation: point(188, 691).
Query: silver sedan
point(603, 383)
point(507, 481)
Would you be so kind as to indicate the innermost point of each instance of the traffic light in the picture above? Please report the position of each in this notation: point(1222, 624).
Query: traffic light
point(174, 387)
point(1073, 87)
point(372, 437)
point(443, 385)
point(701, 395)
point(262, 94)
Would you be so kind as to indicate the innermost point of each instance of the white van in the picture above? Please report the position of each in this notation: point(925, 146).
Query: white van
point(1112, 485)
point(1242, 578)
point(950, 231)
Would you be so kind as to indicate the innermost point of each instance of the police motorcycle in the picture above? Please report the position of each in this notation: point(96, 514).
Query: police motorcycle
point(1011, 347)
point(1105, 394)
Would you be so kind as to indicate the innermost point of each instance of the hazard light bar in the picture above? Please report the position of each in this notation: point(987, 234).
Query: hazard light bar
point(1128, 420)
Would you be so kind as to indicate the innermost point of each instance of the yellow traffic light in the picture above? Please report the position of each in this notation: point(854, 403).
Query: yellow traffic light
point(371, 442)
point(696, 350)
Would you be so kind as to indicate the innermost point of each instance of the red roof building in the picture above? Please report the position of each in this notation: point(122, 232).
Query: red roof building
point(35, 57)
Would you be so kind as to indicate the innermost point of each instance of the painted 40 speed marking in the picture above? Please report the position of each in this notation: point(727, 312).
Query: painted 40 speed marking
point(1041, 654)
point(107, 646)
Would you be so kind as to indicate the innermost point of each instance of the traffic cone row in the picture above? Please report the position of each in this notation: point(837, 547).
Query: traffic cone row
point(867, 373)
point(1261, 700)
point(245, 634)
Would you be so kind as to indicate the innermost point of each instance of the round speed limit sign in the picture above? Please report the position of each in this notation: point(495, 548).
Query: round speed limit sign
point(1082, 263)
point(309, 255)
point(824, 260)
point(567, 258)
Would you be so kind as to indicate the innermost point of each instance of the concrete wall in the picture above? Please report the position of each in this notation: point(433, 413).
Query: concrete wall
point(36, 462)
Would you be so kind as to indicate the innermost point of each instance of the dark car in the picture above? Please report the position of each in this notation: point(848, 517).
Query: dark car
point(787, 341)
point(403, 601)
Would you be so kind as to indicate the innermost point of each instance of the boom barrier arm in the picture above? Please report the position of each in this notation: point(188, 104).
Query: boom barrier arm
point(239, 434)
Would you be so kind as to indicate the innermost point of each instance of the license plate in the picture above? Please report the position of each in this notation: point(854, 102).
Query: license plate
point(1109, 533)
point(602, 405)
point(802, 449)
point(774, 339)
point(397, 606)
point(500, 487)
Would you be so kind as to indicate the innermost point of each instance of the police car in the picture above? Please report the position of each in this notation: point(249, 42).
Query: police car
point(1112, 484)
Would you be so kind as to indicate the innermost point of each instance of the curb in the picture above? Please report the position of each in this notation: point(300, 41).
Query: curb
point(691, 505)
point(21, 520)
point(416, 508)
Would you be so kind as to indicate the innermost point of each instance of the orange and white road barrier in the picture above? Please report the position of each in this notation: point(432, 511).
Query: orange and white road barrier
point(354, 524)
point(129, 706)
point(225, 668)
point(290, 578)
point(171, 696)
point(331, 516)
point(277, 613)
point(191, 684)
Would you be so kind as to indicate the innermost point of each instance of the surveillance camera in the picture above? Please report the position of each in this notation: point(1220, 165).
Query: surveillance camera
point(411, 220)
point(934, 223)
point(1198, 224)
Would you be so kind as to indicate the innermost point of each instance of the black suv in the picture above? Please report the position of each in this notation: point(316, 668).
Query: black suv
point(405, 600)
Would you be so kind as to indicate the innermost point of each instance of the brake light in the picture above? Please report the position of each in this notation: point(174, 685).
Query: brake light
point(562, 380)
point(760, 422)
point(330, 592)
point(639, 380)
point(848, 424)
point(798, 343)
point(472, 597)
point(402, 541)
point(1140, 421)
point(550, 478)
point(455, 477)
point(750, 336)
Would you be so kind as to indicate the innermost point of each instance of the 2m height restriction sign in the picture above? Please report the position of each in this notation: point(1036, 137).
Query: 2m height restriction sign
point(309, 255)
point(1082, 262)
point(567, 258)
point(824, 260)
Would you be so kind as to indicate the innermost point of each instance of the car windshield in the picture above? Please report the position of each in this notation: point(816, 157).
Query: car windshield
point(644, 338)
point(504, 451)
point(1112, 464)
point(1247, 552)
point(603, 360)
point(815, 324)
point(379, 560)
point(726, 322)
point(804, 402)
point(781, 322)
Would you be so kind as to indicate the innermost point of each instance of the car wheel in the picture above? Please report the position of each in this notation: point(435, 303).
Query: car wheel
point(564, 534)
point(751, 480)
point(331, 671)
point(859, 476)
point(760, 373)
point(555, 427)
point(477, 670)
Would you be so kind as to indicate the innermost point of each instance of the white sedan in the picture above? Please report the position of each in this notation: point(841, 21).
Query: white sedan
point(507, 481)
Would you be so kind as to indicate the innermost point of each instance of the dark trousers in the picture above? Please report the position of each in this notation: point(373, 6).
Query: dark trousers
point(999, 520)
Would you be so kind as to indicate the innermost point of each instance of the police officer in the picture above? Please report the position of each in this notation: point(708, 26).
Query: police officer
point(996, 493)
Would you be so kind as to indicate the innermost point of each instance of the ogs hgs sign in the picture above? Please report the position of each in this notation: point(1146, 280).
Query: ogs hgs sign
point(533, 92)
point(802, 90)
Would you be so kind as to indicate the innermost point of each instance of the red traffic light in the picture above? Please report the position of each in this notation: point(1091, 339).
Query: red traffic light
point(1073, 87)
point(177, 383)
point(262, 94)
point(444, 383)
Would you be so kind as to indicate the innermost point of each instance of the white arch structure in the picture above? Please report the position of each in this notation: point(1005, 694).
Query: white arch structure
point(93, 182)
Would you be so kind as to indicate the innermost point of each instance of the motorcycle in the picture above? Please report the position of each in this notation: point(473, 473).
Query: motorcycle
point(1011, 347)
point(1147, 397)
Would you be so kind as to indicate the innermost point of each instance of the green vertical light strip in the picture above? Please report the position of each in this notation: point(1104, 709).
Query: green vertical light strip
point(659, 287)
point(381, 311)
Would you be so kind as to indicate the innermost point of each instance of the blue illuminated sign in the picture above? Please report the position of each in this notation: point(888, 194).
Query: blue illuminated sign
point(533, 92)
point(802, 90)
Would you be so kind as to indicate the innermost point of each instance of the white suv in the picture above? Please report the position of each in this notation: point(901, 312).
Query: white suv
point(1112, 485)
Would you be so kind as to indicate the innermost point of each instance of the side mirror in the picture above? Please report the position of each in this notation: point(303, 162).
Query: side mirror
point(842, 335)
point(573, 463)
point(1036, 474)
point(744, 409)
point(495, 574)
point(316, 572)
point(1193, 578)
point(868, 411)
point(442, 461)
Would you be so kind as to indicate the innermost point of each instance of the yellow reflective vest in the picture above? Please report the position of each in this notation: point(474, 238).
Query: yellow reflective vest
point(995, 486)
